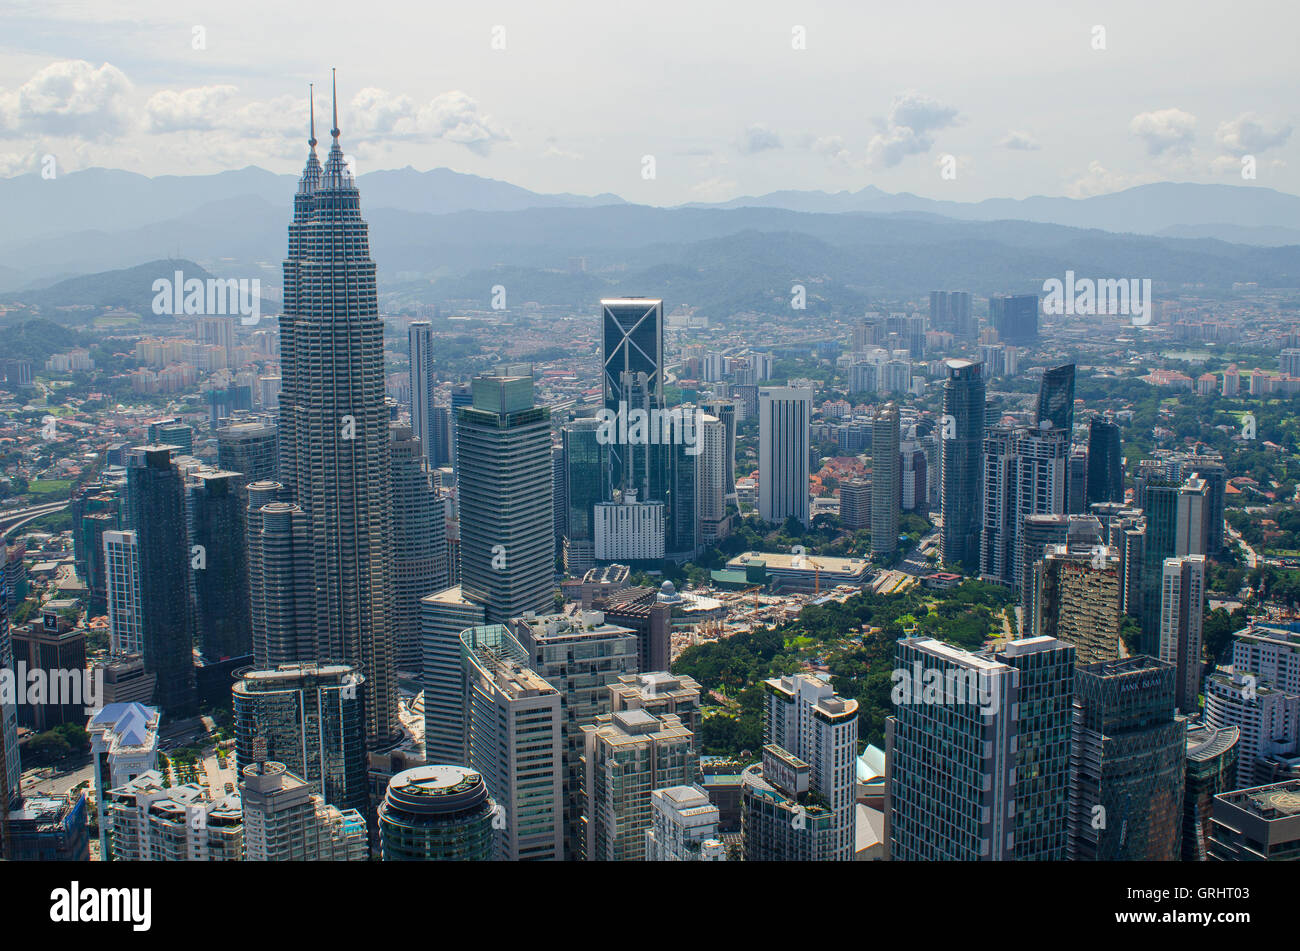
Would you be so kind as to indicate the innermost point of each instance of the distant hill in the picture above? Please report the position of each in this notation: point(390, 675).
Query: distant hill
point(130, 289)
point(1144, 209)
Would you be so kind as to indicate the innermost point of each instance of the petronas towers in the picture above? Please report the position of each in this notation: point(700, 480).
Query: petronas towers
point(335, 456)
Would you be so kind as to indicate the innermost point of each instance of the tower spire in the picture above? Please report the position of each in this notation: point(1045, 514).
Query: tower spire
point(311, 96)
point(335, 91)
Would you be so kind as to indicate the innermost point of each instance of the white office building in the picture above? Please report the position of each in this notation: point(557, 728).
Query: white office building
point(783, 446)
point(629, 530)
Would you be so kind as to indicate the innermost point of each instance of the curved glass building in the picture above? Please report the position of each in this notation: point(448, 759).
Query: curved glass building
point(437, 814)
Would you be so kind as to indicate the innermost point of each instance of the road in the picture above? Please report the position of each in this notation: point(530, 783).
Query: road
point(10, 522)
point(1252, 559)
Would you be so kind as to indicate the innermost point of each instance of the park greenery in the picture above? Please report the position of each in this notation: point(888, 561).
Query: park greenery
point(854, 642)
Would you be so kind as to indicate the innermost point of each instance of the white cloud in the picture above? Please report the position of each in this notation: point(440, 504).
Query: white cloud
point(69, 98)
point(912, 119)
point(831, 146)
point(454, 116)
point(759, 138)
point(1250, 134)
point(1164, 130)
point(1099, 180)
point(1020, 142)
point(200, 108)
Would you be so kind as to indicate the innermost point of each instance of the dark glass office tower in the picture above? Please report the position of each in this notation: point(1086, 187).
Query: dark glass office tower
point(1056, 398)
point(335, 456)
point(632, 349)
point(1105, 464)
point(585, 486)
point(1159, 541)
point(950, 311)
point(682, 528)
point(1015, 318)
point(311, 719)
point(220, 566)
point(156, 510)
point(1127, 763)
point(962, 444)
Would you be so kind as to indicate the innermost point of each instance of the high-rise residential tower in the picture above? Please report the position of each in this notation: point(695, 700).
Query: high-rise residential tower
point(886, 480)
point(1182, 610)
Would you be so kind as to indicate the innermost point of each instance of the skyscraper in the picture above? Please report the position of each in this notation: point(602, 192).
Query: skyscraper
point(585, 487)
point(249, 448)
point(443, 616)
point(220, 566)
point(156, 508)
point(783, 416)
point(1182, 610)
point(335, 456)
point(725, 411)
point(282, 602)
point(1077, 599)
point(579, 654)
point(1024, 475)
point(886, 480)
point(311, 719)
point(712, 488)
point(420, 339)
point(961, 445)
point(1211, 769)
point(978, 769)
point(1127, 761)
point(507, 539)
point(632, 355)
point(950, 311)
point(420, 565)
point(513, 721)
point(122, 582)
point(1015, 318)
point(1105, 465)
point(1056, 398)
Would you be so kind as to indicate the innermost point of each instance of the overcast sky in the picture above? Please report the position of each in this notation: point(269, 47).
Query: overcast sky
point(716, 92)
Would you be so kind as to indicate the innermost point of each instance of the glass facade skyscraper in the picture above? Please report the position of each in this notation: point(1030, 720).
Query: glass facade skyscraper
point(962, 444)
point(632, 351)
point(311, 719)
point(335, 455)
point(437, 813)
point(1127, 763)
point(1056, 398)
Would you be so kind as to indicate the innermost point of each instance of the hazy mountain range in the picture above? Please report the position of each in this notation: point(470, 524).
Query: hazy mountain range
point(440, 235)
